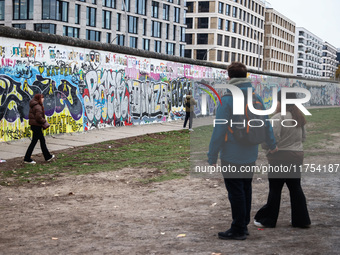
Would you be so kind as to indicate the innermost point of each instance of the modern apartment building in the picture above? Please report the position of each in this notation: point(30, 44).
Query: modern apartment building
point(308, 54)
point(279, 43)
point(329, 62)
point(225, 31)
point(143, 24)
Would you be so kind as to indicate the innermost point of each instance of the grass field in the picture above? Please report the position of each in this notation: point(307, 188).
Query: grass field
point(165, 152)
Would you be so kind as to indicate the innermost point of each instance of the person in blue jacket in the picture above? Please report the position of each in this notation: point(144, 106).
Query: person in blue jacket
point(235, 155)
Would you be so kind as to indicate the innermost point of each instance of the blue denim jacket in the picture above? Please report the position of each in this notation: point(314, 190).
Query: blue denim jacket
point(231, 150)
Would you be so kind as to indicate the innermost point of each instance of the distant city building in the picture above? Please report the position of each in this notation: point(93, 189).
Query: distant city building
point(308, 54)
point(338, 55)
point(279, 42)
point(225, 31)
point(329, 62)
point(151, 25)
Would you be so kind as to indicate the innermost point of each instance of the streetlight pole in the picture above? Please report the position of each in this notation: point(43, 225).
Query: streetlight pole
point(257, 39)
point(206, 54)
point(126, 25)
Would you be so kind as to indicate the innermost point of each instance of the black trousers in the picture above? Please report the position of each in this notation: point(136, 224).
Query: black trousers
point(37, 135)
point(188, 116)
point(269, 213)
point(239, 195)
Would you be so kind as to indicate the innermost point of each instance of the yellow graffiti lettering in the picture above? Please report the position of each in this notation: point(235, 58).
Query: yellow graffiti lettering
point(65, 86)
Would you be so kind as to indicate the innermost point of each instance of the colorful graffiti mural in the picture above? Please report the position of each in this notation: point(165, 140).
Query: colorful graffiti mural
point(86, 89)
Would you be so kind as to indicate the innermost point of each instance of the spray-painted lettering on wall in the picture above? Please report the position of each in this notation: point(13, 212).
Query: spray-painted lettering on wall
point(87, 89)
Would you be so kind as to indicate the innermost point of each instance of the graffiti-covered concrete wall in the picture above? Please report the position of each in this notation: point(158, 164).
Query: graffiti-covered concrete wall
point(86, 88)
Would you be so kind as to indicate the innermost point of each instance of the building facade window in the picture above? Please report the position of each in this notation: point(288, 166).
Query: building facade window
point(181, 50)
point(174, 32)
point(220, 24)
point(155, 9)
point(91, 17)
point(108, 37)
point(190, 6)
point(77, 14)
point(146, 44)
point(133, 24)
point(220, 7)
point(203, 23)
point(188, 22)
point(219, 55)
point(176, 15)
point(201, 54)
point(226, 56)
point(233, 27)
point(93, 35)
point(158, 46)
point(118, 21)
point(202, 38)
point(23, 9)
point(71, 31)
point(109, 3)
point(156, 28)
point(106, 19)
point(233, 42)
point(182, 34)
point(187, 53)
point(141, 7)
point(203, 6)
point(226, 41)
point(188, 38)
point(55, 10)
point(21, 26)
point(227, 25)
point(167, 31)
point(234, 12)
point(127, 4)
point(2, 9)
point(219, 40)
point(120, 40)
point(45, 28)
point(227, 9)
point(133, 42)
point(170, 48)
point(145, 29)
point(166, 11)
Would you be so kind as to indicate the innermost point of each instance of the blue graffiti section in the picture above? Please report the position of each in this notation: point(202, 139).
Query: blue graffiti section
point(12, 94)
point(15, 97)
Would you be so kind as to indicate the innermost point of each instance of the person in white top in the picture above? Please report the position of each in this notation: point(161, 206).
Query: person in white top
point(290, 153)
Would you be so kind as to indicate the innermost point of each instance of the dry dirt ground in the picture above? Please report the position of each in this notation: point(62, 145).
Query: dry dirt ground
point(113, 213)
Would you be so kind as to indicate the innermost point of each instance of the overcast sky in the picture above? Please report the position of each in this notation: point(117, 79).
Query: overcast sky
point(321, 17)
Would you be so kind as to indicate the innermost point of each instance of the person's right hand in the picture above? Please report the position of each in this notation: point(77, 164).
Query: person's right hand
point(274, 150)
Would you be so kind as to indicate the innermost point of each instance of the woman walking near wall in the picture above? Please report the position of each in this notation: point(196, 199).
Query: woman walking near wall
point(37, 122)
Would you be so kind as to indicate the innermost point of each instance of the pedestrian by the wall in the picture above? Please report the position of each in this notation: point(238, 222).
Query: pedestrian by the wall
point(37, 122)
point(290, 153)
point(235, 154)
point(189, 103)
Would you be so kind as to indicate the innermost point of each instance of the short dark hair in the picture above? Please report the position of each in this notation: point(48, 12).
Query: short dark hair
point(237, 70)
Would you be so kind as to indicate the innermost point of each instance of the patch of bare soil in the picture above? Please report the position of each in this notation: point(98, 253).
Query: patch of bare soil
point(114, 213)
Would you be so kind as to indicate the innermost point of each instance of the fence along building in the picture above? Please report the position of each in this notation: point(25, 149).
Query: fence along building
point(151, 25)
point(279, 43)
point(225, 31)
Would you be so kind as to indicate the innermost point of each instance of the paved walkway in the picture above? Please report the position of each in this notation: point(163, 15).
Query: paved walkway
point(17, 148)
